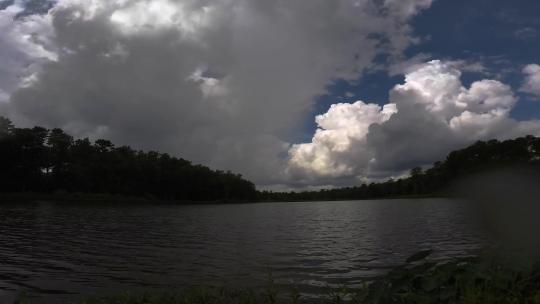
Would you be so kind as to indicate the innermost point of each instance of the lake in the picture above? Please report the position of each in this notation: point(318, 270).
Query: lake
point(59, 253)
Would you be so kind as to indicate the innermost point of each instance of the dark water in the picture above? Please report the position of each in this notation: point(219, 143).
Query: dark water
point(59, 253)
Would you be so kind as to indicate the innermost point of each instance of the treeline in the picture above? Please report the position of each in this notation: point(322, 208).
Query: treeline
point(38, 160)
point(477, 158)
point(51, 161)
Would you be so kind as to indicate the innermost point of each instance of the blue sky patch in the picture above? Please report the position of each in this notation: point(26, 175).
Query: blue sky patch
point(503, 36)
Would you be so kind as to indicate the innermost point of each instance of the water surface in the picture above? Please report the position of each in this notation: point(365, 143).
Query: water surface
point(58, 253)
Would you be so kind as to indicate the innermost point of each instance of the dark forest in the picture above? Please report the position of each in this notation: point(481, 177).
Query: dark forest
point(51, 161)
point(438, 180)
point(38, 160)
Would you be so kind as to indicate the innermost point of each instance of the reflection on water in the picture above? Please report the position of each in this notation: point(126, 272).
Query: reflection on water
point(57, 252)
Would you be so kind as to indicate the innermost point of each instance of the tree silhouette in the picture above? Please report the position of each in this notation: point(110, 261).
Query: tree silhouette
point(41, 160)
point(479, 157)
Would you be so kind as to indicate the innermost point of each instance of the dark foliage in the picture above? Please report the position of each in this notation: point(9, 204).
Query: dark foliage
point(46, 161)
point(480, 157)
point(483, 279)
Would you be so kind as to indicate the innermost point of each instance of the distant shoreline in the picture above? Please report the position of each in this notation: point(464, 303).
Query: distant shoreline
point(85, 198)
point(399, 197)
point(96, 198)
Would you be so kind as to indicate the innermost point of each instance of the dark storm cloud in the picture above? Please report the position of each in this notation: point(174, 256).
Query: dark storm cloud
point(223, 83)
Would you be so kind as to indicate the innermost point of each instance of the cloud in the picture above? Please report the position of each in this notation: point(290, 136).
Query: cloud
point(4, 97)
point(221, 82)
point(26, 45)
point(403, 66)
point(532, 79)
point(526, 33)
point(475, 65)
point(342, 132)
point(427, 116)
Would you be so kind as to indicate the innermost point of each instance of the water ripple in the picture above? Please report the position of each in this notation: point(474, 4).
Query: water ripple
point(58, 253)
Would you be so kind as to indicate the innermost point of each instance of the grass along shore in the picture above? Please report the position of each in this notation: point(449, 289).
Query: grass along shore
point(419, 280)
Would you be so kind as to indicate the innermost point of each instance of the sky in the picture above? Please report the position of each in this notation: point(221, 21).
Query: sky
point(291, 94)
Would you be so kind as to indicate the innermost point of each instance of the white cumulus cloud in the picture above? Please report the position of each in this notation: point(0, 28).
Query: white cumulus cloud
point(532, 79)
point(427, 116)
point(342, 131)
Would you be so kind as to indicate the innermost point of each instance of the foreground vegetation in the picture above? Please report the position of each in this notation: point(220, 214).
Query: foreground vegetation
point(464, 280)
